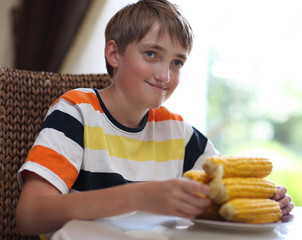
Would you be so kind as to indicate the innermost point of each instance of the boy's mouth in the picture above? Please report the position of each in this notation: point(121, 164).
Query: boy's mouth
point(157, 87)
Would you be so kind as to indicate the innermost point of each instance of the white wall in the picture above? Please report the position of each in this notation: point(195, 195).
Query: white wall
point(6, 34)
point(87, 52)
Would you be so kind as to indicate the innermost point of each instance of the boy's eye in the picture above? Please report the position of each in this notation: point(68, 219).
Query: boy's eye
point(178, 63)
point(150, 54)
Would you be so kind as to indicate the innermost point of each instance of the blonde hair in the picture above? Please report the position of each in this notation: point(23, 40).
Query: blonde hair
point(132, 23)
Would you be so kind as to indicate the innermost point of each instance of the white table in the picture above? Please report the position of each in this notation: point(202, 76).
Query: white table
point(147, 226)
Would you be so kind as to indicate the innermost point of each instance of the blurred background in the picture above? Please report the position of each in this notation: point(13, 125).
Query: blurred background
point(242, 84)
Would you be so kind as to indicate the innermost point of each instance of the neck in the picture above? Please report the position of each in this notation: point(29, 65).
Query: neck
point(121, 109)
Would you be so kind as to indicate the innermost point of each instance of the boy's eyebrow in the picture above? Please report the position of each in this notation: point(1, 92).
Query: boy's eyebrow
point(157, 47)
point(183, 56)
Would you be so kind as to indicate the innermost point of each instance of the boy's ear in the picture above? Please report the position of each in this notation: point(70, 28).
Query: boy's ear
point(111, 53)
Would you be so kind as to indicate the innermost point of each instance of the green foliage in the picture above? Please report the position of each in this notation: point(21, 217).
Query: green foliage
point(292, 180)
point(256, 115)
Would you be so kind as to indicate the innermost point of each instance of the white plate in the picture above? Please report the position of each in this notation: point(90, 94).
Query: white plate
point(237, 226)
point(119, 216)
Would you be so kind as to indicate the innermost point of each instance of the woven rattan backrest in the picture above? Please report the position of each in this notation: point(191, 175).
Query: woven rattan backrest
point(24, 99)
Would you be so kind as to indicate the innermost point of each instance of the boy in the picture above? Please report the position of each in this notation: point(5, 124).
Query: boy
point(94, 141)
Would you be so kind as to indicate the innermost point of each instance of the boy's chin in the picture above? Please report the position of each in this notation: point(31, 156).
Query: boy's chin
point(156, 106)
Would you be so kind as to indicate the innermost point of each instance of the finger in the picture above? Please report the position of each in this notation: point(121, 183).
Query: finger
point(198, 200)
point(183, 214)
point(192, 204)
point(201, 195)
point(179, 208)
point(185, 202)
point(287, 209)
point(281, 192)
point(190, 211)
point(203, 190)
point(285, 201)
point(197, 188)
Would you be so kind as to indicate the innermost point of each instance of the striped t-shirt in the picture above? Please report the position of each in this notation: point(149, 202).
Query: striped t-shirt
point(82, 147)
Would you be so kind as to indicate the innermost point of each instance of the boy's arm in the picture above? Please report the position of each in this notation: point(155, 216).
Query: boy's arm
point(42, 208)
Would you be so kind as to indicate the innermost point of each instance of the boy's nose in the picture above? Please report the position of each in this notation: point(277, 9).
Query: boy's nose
point(162, 73)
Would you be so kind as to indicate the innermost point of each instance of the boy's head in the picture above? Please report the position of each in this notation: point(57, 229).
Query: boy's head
point(133, 22)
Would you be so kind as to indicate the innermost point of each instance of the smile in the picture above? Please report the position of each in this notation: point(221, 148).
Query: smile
point(157, 87)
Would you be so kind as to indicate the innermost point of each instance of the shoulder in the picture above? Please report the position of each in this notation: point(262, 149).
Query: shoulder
point(78, 96)
point(163, 114)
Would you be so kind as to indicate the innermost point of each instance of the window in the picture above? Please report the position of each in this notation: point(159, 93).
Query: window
point(250, 53)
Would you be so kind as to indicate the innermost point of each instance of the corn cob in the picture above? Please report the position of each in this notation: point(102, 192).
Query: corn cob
point(229, 188)
point(238, 166)
point(248, 210)
point(212, 213)
point(198, 175)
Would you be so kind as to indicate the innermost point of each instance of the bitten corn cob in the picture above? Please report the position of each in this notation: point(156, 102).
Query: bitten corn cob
point(212, 213)
point(229, 188)
point(248, 210)
point(238, 166)
point(198, 175)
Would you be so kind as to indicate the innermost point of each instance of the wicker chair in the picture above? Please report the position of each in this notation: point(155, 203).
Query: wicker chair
point(24, 99)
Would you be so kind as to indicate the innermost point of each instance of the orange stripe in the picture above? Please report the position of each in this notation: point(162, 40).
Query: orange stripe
point(55, 162)
point(162, 114)
point(55, 102)
point(77, 97)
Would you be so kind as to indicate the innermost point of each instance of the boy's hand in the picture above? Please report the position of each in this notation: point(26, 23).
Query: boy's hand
point(284, 200)
point(175, 197)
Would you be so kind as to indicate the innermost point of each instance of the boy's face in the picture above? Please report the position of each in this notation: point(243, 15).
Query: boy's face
point(149, 70)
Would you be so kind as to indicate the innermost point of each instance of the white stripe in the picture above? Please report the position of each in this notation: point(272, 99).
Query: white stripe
point(97, 161)
point(66, 107)
point(70, 149)
point(188, 132)
point(44, 173)
point(165, 130)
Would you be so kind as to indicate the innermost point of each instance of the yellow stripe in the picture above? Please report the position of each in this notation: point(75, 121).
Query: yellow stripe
point(133, 149)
